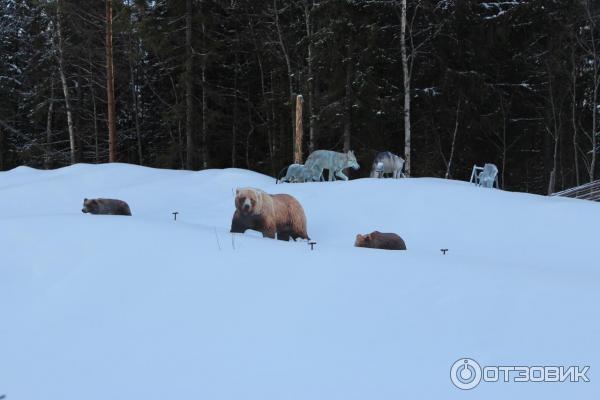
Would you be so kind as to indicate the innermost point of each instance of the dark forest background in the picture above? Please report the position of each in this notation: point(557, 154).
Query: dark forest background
point(209, 84)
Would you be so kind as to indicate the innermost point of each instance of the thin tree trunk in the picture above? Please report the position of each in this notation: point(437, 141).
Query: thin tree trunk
point(288, 66)
point(596, 82)
point(449, 165)
point(204, 102)
point(349, 99)
point(110, 87)
point(136, 112)
point(406, 80)
point(94, 114)
point(234, 122)
point(299, 130)
point(189, 87)
point(48, 152)
point(573, 116)
point(65, 87)
point(310, 78)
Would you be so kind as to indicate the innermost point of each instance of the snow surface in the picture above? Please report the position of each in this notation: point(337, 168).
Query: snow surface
point(143, 307)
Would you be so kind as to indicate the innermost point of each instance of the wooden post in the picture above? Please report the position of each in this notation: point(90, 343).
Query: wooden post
point(298, 136)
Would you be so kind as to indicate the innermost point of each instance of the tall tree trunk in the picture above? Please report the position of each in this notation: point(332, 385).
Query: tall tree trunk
point(234, 122)
point(574, 116)
point(454, 134)
point(48, 152)
point(65, 87)
point(110, 87)
point(288, 66)
point(299, 135)
point(189, 88)
point(348, 99)
point(94, 113)
point(204, 101)
point(310, 78)
point(406, 80)
point(136, 110)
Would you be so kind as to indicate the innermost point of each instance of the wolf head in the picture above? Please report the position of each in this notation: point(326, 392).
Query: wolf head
point(352, 163)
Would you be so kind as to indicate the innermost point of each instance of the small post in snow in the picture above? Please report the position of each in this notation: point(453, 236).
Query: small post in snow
point(312, 244)
point(175, 215)
point(444, 251)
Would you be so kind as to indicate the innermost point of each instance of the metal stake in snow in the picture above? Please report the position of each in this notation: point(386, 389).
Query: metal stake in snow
point(175, 215)
point(312, 244)
point(444, 251)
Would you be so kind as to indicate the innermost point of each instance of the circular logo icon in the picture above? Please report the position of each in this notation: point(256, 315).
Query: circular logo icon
point(465, 373)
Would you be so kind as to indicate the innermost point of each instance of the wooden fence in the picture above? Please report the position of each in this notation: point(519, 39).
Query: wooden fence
point(589, 191)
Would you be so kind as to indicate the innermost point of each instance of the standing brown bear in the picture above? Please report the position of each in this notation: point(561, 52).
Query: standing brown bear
point(378, 240)
point(105, 206)
point(277, 214)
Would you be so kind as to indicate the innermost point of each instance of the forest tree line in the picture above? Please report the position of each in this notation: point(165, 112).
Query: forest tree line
point(212, 84)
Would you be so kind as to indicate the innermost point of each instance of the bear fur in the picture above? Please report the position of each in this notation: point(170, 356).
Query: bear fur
point(105, 207)
point(378, 240)
point(273, 215)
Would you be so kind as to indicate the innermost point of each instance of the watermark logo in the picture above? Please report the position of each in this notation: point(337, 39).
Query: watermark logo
point(466, 373)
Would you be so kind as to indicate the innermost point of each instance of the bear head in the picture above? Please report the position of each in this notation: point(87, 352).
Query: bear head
point(90, 206)
point(363, 240)
point(248, 201)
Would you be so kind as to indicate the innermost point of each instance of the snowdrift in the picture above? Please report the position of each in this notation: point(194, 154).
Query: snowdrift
point(145, 307)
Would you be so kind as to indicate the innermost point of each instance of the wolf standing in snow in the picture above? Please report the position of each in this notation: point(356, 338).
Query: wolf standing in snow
point(105, 206)
point(333, 161)
point(392, 164)
point(299, 173)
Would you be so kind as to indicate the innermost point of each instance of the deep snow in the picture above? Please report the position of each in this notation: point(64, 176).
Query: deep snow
point(106, 307)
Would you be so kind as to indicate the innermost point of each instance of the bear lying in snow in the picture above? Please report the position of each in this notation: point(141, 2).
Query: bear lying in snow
point(105, 206)
point(378, 240)
point(277, 214)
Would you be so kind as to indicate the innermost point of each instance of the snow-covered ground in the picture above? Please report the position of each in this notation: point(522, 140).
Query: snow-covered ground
point(106, 307)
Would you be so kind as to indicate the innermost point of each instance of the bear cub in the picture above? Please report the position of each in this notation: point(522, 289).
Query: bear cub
point(379, 240)
point(105, 207)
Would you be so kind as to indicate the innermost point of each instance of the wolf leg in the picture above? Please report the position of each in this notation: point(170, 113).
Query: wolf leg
point(341, 175)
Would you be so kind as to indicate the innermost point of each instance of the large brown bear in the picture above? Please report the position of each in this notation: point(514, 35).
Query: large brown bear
point(277, 214)
point(105, 206)
point(378, 240)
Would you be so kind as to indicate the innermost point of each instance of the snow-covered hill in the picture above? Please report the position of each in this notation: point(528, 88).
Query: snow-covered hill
point(104, 307)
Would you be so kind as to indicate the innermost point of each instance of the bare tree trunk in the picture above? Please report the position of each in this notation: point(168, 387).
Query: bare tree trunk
point(449, 164)
point(554, 132)
point(189, 88)
point(204, 100)
point(406, 80)
point(134, 100)
point(94, 113)
point(63, 79)
point(110, 87)
point(234, 124)
point(299, 130)
point(349, 100)
point(596, 83)
point(48, 153)
point(573, 115)
point(310, 78)
point(287, 64)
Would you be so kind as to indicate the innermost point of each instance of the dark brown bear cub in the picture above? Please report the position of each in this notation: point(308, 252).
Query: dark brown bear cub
point(105, 206)
point(378, 240)
point(278, 215)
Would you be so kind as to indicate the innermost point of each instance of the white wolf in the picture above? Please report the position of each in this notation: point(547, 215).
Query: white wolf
point(299, 173)
point(387, 163)
point(333, 161)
